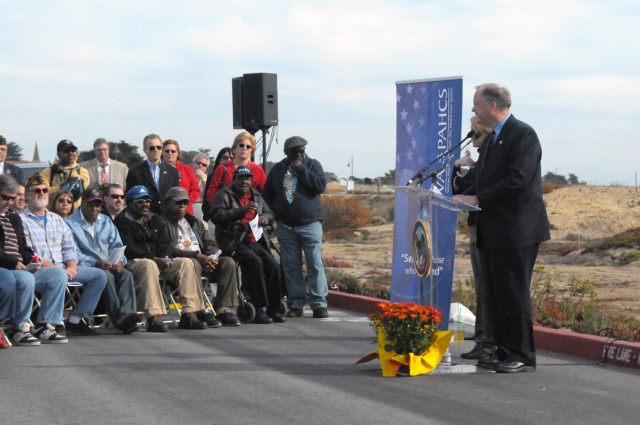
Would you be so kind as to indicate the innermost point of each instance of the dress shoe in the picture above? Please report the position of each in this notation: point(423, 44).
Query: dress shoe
point(206, 316)
point(320, 313)
point(190, 321)
point(294, 312)
point(487, 360)
point(473, 354)
point(155, 324)
point(277, 317)
point(128, 323)
point(228, 318)
point(513, 367)
point(262, 318)
point(80, 328)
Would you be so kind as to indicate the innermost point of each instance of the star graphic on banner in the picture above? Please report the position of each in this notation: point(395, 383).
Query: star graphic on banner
point(398, 98)
point(409, 128)
point(409, 156)
point(403, 114)
point(409, 89)
point(423, 89)
point(421, 121)
point(416, 105)
point(414, 144)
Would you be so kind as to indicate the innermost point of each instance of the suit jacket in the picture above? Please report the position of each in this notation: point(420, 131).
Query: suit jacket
point(508, 188)
point(14, 171)
point(117, 173)
point(140, 174)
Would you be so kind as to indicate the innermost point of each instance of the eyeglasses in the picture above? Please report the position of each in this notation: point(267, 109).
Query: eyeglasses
point(143, 201)
point(183, 202)
point(39, 191)
point(202, 164)
point(169, 151)
point(155, 148)
point(7, 197)
point(64, 201)
point(114, 196)
point(243, 146)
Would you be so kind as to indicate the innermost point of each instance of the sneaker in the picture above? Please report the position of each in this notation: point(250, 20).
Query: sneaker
point(320, 313)
point(262, 318)
point(207, 317)
point(155, 324)
point(190, 321)
point(128, 323)
point(47, 335)
point(80, 328)
point(294, 312)
point(23, 338)
point(228, 318)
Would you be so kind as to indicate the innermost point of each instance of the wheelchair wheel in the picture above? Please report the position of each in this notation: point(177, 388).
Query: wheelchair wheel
point(246, 312)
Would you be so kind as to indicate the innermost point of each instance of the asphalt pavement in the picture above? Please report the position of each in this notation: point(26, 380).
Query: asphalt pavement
point(299, 372)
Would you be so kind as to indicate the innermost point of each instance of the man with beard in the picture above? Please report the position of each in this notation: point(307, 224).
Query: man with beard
point(96, 238)
point(191, 240)
point(49, 236)
point(113, 200)
point(17, 284)
point(149, 247)
point(64, 170)
point(240, 204)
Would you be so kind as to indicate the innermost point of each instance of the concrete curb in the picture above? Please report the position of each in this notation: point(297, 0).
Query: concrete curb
point(588, 347)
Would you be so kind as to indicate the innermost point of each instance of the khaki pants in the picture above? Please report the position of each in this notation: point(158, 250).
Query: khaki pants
point(183, 272)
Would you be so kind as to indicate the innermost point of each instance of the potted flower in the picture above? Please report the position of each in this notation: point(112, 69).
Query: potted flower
point(408, 336)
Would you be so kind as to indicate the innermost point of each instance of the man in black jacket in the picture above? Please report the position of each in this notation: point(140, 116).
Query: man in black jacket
point(6, 168)
point(191, 240)
point(152, 173)
point(241, 206)
point(146, 236)
point(512, 224)
point(293, 190)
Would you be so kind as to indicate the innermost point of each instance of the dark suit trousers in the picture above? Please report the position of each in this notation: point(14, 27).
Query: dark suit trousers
point(506, 275)
point(260, 275)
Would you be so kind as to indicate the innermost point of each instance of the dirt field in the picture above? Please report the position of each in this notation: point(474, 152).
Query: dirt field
point(578, 215)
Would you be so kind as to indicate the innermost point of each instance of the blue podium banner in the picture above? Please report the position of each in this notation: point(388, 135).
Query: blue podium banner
point(428, 125)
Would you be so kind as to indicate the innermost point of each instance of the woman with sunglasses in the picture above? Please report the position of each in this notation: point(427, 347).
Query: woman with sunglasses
point(244, 146)
point(62, 204)
point(187, 178)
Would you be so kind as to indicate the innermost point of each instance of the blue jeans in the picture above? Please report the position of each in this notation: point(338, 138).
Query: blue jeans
point(93, 280)
point(293, 241)
point(120, 294)
point(16, 296)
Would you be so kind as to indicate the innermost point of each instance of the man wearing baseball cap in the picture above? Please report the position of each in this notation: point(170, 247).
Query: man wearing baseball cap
point(191, 240)
point(66, 170)
point(293, 191)
point(6, 168)
point(97, 237)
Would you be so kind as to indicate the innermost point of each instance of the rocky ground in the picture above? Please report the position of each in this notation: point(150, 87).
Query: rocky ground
point(580, 216)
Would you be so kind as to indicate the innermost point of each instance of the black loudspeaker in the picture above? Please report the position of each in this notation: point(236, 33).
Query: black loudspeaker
point(259, 101)
point(236, 94)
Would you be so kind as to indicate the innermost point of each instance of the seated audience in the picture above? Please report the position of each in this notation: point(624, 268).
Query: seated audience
point(241, 204)
point(113, 197)
point(96, 238)
point(48, 235)
point(191, 240)
point(19, 204)
point(17, 284)
point(146, 236)
point(62, 204)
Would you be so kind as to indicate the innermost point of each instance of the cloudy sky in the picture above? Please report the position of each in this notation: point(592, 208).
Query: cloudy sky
point(123, 69)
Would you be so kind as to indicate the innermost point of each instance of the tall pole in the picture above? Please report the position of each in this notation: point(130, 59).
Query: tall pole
point(353, 179)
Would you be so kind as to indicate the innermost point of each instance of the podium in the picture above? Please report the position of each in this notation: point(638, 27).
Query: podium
point(428, 261)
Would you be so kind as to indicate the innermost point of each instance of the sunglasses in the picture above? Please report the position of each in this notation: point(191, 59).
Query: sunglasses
point(143, 201)
point(7, 197)
point(202, 164)
point(64, 201)
point(113, 196)
point(155, 148)
point(39, 191)
point(183, 202)
point(169, 151)
point(243, 146)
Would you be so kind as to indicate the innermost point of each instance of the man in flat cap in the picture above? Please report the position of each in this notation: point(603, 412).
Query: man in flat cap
point(293, 191)
point(65, 171)
point(6, 168)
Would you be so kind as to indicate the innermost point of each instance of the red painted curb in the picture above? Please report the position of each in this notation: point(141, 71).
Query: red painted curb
point(589, 347)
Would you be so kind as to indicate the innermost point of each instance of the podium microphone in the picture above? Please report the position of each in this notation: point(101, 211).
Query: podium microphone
point(426, 167)
point(431, 174)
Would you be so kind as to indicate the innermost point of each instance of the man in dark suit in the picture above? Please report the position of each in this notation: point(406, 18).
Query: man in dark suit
point(6, 168)
point(102, 169)
point(512, 224)
point(153, 174)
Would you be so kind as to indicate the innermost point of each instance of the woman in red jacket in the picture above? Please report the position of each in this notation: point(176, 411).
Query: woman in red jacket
point(244, 146)
point(188, 180)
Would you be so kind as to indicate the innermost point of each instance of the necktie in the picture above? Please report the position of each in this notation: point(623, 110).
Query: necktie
point(104, 177)
point(489, 142)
